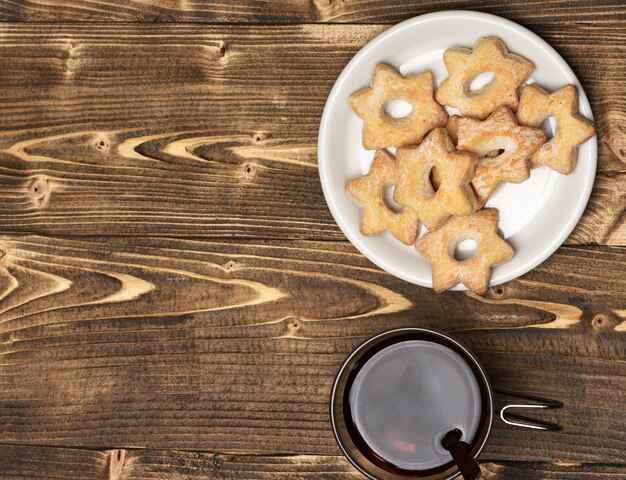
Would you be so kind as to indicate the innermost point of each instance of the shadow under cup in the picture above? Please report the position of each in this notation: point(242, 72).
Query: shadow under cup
point(399, 393)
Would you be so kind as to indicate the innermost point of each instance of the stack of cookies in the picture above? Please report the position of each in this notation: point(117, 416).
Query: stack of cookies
point(446, 168)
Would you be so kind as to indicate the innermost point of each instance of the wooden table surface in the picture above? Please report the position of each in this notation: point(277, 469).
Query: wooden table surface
point(175, 295)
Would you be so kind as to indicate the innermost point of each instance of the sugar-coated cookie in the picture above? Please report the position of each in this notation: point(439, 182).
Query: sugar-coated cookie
point(368, 192)
point(571, 129)
point(454, 195)
point(489, 55)
point(438, 246)
point(503, 147)
point(381, 130)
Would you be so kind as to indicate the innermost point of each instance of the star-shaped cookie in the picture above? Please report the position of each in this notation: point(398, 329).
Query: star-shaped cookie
point(381, 130)
point(500, 134)
point(454, 196)
point(489, 55)
point(368, 192)
point(491, 250)
point(571, 129)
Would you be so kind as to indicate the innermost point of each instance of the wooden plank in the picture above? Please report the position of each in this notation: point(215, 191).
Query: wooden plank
point(359, 11)
point(221, 186)
point(28, 462)
point(179, 130)
point(232, 346)
point(24, 462)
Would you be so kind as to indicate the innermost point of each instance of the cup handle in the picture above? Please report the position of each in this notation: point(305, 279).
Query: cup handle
point(515, 419)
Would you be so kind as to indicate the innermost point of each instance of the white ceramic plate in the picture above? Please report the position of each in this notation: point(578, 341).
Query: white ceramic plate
point(535, 216)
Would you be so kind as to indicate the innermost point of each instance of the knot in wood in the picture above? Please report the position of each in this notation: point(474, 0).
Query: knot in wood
point(39, 189)
point(116, 463)
point(102, 142)
point(260, 136)
point(249, 169)
point(497, 291)
point(601, 322)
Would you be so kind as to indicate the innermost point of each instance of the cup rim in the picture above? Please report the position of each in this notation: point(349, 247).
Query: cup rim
point(397, 332)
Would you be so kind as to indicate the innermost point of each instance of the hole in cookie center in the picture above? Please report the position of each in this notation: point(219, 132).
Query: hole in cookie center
point(481, 80)
point(398, 108)
point(495, 153)
point(549, 127)
point(465, 249)
point(435, 179)
point(388, 199)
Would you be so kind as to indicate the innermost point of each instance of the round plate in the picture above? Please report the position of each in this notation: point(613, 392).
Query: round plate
point(535, 216)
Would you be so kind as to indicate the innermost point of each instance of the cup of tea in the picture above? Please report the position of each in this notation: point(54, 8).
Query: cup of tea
point(416, 403)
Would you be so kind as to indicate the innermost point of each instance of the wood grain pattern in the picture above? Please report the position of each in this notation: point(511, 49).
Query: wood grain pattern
point(231, 346)
point(188, 298)
point(27, 463)
point(108, 129)
point(295, 11)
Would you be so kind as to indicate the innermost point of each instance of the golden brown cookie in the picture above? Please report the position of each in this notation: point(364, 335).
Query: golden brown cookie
point(491, 250)
point(368, 191)
point(381, 130)
point(455, 170)
point(571, 129)
point(489, 55)
point(503, 146)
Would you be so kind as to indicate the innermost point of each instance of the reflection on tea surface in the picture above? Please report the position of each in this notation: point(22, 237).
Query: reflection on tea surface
point(408, 396)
